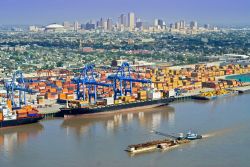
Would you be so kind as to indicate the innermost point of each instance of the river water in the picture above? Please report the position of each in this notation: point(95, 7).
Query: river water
point(94, 142)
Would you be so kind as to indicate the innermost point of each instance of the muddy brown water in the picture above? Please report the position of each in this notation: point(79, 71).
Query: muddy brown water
point(100, 141)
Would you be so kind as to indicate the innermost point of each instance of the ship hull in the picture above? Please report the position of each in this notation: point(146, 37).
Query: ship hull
point(113, 108)
point(20, 121)
point(198, 97)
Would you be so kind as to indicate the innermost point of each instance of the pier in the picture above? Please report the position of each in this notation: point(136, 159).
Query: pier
point(245, 89)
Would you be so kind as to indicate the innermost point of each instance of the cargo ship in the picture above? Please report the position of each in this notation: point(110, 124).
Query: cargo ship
point(16, 117)
point(80, 108)
point(165, 144)
point(215, 94)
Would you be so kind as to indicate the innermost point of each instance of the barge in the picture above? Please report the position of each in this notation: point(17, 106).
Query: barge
point(113, 108)
point(164, 144)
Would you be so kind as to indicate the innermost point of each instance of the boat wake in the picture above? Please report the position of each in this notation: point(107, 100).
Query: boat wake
point(222, 131)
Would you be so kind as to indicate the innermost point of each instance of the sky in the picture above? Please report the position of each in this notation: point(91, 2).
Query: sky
point(223, 12)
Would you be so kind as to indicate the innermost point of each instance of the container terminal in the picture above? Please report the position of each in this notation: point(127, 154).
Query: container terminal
point(94, 89)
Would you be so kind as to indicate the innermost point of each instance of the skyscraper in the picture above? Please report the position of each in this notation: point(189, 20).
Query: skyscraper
point(182, 24)
point(123, 20)
point(109, 24)
point(207, 26)
point(156, 23)
point(76, 26)
point(101, 23)
point(131, 21)
point(177, 25)
point(105, 25)
point(193, 25)
point(159, 23)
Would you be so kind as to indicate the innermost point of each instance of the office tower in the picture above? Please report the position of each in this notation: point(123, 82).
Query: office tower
point(105, 25)
point(101, 23)
point(182, 24)
point(131, 21)
point(83, 26)
point(76, 25)
point(177, 25)
point(156, 23)
point(139, 24)
point(90, 26)
point(109, 24)
point(123, 20)
point(171, 26)
point(193, 25)
point(207, 26)
point(161, 23)
point(97, 24)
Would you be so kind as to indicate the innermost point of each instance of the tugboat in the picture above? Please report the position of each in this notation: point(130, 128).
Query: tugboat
point(24, 115)
point(190, 136)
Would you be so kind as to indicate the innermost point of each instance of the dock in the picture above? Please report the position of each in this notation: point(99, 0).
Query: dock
point(244, 89)
point(50, 111)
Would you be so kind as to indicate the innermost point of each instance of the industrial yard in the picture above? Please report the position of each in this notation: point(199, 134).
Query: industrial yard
point(92, 86)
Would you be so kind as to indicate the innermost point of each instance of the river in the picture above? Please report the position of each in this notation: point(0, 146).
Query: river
point(94, 142)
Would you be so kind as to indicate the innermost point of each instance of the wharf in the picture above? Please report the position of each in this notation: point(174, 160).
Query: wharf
point(51, 110)
point(190, 94)
point(244, 89)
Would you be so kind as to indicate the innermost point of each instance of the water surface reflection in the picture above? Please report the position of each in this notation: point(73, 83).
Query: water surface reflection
point(149, 118)
point(12, 137)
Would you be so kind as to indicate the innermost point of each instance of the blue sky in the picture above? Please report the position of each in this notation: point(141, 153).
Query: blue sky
point(48, 11)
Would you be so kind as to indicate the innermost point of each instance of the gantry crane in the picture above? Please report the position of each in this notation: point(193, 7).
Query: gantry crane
point(17, 83)
point(86, 79)
point(122, 76)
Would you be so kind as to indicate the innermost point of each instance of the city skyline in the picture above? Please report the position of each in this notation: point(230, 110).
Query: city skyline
point(45, 11)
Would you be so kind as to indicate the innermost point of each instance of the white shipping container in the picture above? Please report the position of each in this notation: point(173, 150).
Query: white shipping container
point(171, 93)
point(109, 100)
point(10, 117)
point(135, 95)
point(6, 111)
point(154, 95)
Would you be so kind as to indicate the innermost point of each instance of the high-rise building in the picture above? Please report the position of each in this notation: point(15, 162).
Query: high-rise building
point(131, 21)
point(97, 24)
point(105, 25)
point(139, 24)
point(123, 20)
point(156, 23)
point(171, 26)
point(109, 24)
point(76, 26)
point(101, 23)
point(182, 24)
point(83, 26)
point(159, 23)
point(207, 26)
point(193, 25)
point(90, 26)
point(177, 25)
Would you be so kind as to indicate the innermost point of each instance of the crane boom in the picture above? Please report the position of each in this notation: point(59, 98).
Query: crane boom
point(165, 135)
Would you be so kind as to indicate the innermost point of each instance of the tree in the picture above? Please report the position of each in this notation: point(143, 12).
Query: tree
point(59, 64)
